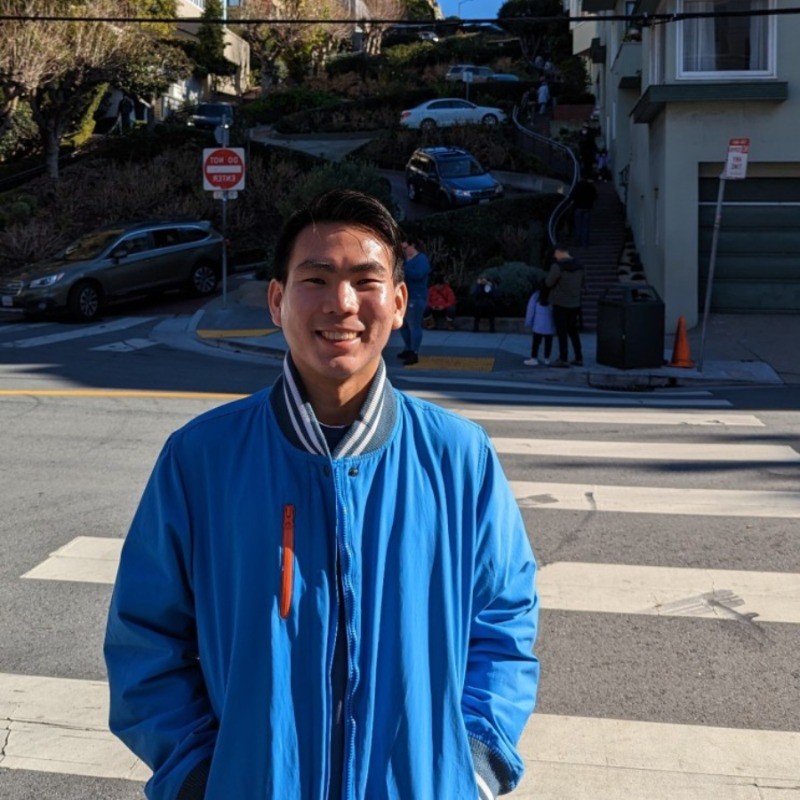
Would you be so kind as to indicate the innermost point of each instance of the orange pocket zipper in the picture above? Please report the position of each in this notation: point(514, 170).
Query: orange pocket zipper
point(287, 566)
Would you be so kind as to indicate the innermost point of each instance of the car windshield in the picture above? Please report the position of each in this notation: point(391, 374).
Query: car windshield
point(213, 110)
point(460, 168)
point(91, 245)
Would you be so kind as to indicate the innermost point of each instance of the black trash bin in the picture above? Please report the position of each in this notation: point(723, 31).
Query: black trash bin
point(630, 327)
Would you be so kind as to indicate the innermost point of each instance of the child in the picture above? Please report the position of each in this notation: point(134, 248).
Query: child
point(539, 318)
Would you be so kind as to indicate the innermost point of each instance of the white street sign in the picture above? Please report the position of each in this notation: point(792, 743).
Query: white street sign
point(736, 164)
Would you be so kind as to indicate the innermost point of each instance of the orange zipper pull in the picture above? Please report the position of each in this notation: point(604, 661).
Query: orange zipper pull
point(287, 567)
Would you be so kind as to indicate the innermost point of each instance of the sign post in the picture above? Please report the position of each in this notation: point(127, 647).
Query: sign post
point(224, 174)
point(735, 169)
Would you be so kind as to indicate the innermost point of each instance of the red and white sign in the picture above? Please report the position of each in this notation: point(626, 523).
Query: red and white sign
point(223, 169)
point(736, 164)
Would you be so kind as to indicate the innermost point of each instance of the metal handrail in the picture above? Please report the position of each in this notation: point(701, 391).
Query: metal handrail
point(560, 209)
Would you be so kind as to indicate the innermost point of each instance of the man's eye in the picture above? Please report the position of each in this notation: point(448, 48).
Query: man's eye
point(316, 281)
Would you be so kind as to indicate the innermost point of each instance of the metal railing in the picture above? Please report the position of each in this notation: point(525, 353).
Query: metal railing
point(560, 159)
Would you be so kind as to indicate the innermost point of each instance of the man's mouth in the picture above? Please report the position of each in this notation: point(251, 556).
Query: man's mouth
point(338, 336)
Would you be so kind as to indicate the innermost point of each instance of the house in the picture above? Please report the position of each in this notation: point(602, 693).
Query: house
point(237, 50)
point(671, 94)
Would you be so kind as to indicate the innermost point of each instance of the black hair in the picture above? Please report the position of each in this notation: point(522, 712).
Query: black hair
point(346, 206)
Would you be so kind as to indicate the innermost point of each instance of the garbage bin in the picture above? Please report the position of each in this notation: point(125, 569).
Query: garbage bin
point(630, 327)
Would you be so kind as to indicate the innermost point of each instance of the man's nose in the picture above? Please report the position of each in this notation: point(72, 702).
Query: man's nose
point(343, 298)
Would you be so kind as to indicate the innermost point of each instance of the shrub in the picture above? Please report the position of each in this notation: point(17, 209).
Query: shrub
point(281, 102)
point(22, 133)
point(85, 125)
point(515, 282)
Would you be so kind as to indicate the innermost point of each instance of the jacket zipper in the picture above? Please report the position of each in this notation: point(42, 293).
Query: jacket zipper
point(287, 565)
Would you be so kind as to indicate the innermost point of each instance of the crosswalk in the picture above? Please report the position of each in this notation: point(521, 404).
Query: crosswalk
point(26, 336)
point(575, 460)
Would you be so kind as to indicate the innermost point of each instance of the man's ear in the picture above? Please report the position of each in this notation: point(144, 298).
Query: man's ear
point(401, 303)
point(274, 300)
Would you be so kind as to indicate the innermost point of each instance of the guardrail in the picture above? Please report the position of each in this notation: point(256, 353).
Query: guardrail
point(560, 158)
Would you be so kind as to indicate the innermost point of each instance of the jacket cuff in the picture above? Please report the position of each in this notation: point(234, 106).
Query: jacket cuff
point(491, 773)
point(194, 787)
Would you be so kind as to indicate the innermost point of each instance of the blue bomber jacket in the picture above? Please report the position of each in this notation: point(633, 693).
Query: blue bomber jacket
point(222, 628)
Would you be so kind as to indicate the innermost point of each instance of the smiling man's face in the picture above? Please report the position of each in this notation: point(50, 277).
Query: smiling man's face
point(337, 309)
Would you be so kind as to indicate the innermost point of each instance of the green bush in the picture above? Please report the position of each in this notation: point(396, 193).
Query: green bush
point(85, 125)
point(21, 136)
point(330, 175)
point(281, 102)
point(515, 283)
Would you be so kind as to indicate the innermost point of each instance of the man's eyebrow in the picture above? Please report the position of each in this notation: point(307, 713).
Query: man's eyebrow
point(312, 265)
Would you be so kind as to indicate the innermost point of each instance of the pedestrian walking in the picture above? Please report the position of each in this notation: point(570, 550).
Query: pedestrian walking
point(583, 196)
point(327, 590)
point(125, 111)
point(539, 320)
point(417, 269)
point(565, 280)
point(543, 98)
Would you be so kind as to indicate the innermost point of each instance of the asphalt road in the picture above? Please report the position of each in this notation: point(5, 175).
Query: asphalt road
point(74, 465)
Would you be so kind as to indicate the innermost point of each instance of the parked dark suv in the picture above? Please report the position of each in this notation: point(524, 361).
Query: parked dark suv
point(117, 262)
point(449, 176)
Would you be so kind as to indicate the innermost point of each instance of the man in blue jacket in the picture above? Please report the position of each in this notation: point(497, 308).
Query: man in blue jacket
point(327, 590)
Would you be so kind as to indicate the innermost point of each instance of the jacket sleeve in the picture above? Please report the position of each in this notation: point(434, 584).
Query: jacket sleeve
point(502, 671)
point(159, 703)
point(553, 275)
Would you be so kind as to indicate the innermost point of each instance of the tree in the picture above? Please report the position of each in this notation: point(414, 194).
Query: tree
point(297, 44)
point(536, 37)
point(56, 67)
point(373, 31)
point(210, 50)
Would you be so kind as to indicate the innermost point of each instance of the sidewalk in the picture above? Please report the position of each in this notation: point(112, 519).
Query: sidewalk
point(739, 349)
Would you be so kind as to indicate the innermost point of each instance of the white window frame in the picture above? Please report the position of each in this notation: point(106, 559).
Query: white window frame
point(765, 74)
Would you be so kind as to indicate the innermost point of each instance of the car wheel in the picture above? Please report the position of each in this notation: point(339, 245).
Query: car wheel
point(413, 194)
point(203, 279)
point(84, 301)
point(489, 119)
point(428, 125)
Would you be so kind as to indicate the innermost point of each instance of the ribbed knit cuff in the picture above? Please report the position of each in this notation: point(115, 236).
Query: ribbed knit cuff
point(194, 787)
point(491, 769)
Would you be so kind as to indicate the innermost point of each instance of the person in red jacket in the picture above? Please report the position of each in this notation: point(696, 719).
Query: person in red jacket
point(441, 301)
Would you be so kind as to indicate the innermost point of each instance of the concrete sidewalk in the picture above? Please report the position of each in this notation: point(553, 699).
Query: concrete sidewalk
point(739, 349)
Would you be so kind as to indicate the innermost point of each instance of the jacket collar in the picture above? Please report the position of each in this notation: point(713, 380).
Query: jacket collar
point(368, 432)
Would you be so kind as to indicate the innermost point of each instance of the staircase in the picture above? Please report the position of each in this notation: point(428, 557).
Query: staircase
point(601, 259)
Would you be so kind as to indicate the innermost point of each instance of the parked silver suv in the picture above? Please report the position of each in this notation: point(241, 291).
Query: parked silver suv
point(117, 262)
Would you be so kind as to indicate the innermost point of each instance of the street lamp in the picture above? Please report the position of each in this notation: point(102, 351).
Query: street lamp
point(461, 3)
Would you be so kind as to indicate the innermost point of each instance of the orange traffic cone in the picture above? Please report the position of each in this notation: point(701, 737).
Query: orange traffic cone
point(681, 355)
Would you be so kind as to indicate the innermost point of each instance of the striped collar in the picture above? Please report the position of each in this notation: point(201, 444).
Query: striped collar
point(369, 431)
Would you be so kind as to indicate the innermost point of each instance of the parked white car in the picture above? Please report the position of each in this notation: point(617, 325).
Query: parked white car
point(450, 111)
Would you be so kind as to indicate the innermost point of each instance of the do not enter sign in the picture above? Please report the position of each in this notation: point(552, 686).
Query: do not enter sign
point(223, 169)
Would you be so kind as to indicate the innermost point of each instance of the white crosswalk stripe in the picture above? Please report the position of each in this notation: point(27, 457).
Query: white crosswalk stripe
point(567, 757)
point(621, 589)
point(127, 346)
point(78, 333)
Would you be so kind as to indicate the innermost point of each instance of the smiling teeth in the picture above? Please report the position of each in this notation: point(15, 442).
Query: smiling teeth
point(338, 336)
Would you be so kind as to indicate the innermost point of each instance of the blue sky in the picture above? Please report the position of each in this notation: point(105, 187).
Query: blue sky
point(471, 9)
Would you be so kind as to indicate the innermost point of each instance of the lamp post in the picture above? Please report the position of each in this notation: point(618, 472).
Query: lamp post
point(461, 3)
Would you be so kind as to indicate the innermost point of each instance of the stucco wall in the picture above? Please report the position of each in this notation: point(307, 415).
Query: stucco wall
point(667, 155)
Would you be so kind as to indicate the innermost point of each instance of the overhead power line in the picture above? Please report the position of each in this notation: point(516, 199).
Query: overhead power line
point(642, 19)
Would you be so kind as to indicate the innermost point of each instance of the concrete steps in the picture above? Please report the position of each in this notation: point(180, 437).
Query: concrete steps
point(601, 259)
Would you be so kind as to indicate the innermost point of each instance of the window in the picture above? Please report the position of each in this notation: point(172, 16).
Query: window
point(726, 47)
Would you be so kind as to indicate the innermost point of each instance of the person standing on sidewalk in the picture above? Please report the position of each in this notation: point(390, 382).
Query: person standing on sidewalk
point(417, 268)
point(327, 590)
point(539, 319)
point(565, 280)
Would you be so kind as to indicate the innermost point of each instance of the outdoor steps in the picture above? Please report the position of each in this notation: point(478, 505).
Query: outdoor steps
point(601, 258)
